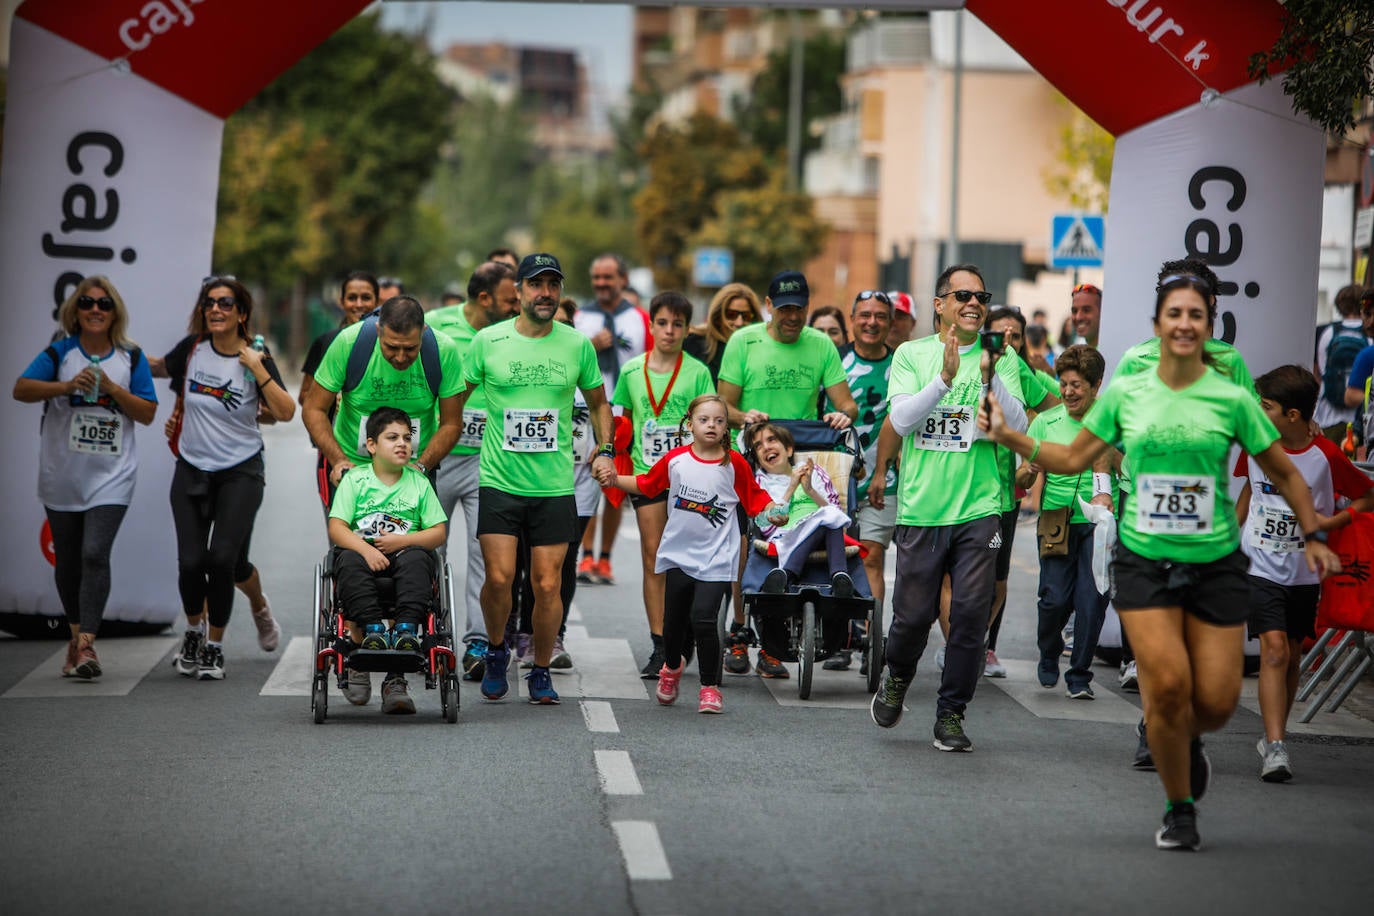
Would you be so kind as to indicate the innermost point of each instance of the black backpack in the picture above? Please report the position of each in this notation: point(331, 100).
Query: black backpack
point(1341, 350)
point(366, 342)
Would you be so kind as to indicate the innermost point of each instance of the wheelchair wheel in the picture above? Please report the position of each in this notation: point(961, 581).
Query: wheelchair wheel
point(722, 632)
point(319, 698)
point(448, 696)
point(875, 647)
point(806, 657)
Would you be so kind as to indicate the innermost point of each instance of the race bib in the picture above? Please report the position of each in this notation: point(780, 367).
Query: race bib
point(96, 432)
point(376, 524)
point(530, 430)
point(1174, 505)
point(474, 425)
point(1274, 528)
point(414, 435)
point(656, 441)
point(949, 428)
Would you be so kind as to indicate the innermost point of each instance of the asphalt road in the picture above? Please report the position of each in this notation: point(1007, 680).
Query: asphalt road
point(153, 793)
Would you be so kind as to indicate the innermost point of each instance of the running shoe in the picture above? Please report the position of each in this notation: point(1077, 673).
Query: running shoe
point(494, 684)
point(376, 638)
point(1128, 679)
point(473, 658)
point(1199, 769)
point(405, 638)
point(1274, 756)
point(357, 687)
point(586, 571)
point(651, 668)
point(709, 700)
point(1144, 760)
point(87, 665)
point(561, 659)
point(72, 659)
point(668, 678)
point(768, 666)
point(269, 631)
point(603, 571)
point(840, 661)
point(993, 666)
point(841, 586)
point(1180, 828)
point(949, 733)
point(886, 708)
point(737, 656)
point(1048, 672)
point(541, 687)
point(210, 665)
point(187, 661)
point(396, 699)
point(940, 658)
point(524, 650)
point(775, 583)
point(1079, 692)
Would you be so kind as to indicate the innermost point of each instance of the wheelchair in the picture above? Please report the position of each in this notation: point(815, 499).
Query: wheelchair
point(817, 622)
point(334, 648)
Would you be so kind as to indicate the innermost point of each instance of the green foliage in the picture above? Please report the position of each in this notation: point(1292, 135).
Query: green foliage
point(763, 118)
point(1327, 46)
point(769, 228)
point(586, 213)
point(1082, 171)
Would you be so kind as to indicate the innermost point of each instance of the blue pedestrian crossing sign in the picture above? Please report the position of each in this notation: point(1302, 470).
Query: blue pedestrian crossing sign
point(1076, 240)
point(713, 266)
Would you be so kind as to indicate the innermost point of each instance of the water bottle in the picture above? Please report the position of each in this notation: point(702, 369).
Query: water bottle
point(94, 394)
point(261, 348)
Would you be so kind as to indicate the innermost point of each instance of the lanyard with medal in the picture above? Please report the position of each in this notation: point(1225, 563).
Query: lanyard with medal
point(656, 441)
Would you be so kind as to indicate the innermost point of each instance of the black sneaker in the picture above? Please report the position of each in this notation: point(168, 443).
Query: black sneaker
point(949, 733)
point(474, 659)
point(1144, 760)
point(775, 583)
point(840, 661)
point(886, 708)
point(1199, 770)
point(770, 667)
point(210, 665)
point(1180, 828)
point(405, 639)
point(650, 670)
point(187, 661)
point(841, 586)
point(376, 638)
point(737, 651)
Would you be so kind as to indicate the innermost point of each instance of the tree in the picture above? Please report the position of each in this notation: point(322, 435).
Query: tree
point(1327, 46)
point(687, 168)
point(769, 228)
point(762, 119)
point(1082, 172)
point(586, 214)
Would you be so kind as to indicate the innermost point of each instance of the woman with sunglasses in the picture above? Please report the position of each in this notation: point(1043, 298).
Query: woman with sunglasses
point(1178, 566)
point(91, 382)
point(220, 380)
point(732, 307)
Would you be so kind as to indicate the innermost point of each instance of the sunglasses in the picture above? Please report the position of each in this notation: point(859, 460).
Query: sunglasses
point(215, 279)
point(874, 294)
point(1181, 278)
point(86, 303)
point(389, 281)
point(224, 303)
point(1085, 288)
point(739, 315)
point(964, 295)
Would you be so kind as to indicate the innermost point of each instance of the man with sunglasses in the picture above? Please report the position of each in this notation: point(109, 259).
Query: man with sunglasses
point(1085, 310)
point(867, 365)
point(949, 500)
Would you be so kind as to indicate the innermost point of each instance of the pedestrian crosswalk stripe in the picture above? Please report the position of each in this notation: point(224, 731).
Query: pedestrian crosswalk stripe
point(603, 668)
point(124, 662)
point(1022, 686)
point(294, 670)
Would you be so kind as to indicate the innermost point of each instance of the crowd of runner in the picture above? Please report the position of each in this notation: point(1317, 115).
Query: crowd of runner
point(537, 418)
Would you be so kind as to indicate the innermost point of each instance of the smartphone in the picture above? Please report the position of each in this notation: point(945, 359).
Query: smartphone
point(993, 341)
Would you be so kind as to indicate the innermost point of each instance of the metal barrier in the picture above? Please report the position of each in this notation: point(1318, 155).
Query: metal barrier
point(1344, 665)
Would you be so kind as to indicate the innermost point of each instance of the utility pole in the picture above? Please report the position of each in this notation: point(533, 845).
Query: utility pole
point(952, 245)
point(794, 102)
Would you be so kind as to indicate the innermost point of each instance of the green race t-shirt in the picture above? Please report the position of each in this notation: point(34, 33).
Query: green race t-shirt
point(1032, 387)
point(452, 322)
point(383, 385)
point(950, 472)
point(1055, 425)
point(529, 382)
point(1050, 382)
point(868, 381)
point(656, 436)
point(372, 508)
point(1179, 443)
point(1144, 357)
point(782, 380)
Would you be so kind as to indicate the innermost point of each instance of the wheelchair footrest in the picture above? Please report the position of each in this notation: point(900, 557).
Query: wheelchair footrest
point(388, 660)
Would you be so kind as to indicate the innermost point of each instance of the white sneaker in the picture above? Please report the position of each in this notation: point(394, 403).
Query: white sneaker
point(1275, 766)
point(1128, 679)
point(269, 631)
point(940, 658)
point(993, 667)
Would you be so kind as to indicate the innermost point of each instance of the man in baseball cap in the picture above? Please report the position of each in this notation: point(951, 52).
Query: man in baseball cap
point(536, 264)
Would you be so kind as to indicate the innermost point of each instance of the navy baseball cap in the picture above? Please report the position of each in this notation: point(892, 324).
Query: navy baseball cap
point(789, 288)
point(536, 264)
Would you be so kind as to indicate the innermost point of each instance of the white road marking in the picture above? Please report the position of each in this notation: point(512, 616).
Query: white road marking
point(574, 612)
point(294, 671)
point(617, 773)
point(829, 689)
point(124, 661)
point(642, 851)
point(605, 668)
point(574, 632)
point(600, 717)
point(1050, 703)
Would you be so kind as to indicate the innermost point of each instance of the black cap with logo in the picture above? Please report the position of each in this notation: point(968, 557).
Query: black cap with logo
point(789, 288)
point(536, 264)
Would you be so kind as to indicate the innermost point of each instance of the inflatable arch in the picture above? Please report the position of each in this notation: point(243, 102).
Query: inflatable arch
point(116, 109)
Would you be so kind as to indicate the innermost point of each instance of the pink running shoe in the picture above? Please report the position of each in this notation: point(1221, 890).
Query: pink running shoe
point(709, 700)
point(667, 684)
point(73, 659)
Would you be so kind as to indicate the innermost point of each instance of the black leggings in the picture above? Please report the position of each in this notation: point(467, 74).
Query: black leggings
point(82, 542)
point(689, 604)
point(213, 512)
point(411, 572)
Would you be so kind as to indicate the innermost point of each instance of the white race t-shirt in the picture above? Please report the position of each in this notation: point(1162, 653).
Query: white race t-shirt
point(219, 428)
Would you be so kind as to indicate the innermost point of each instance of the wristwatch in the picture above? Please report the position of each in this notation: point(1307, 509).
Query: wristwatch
point(421, 466)
point(605, 451)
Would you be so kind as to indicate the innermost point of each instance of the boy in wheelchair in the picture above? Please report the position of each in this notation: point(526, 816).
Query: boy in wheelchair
point(384, 523)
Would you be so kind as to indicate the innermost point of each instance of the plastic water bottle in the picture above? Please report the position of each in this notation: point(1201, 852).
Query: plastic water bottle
point(94, 394)
point(261, 348)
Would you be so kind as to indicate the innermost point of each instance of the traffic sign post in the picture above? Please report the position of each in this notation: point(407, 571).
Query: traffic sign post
point(713, 267)
point(1077, 240)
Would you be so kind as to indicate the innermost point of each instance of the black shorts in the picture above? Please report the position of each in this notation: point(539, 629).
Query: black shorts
point(640, 501)
point(537, 520)
point(1008, 528)
point(1217, 593)
point(1289, 608)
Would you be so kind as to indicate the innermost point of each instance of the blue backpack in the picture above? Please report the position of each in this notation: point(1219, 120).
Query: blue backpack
point(1341, 350)
point(366, 342)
